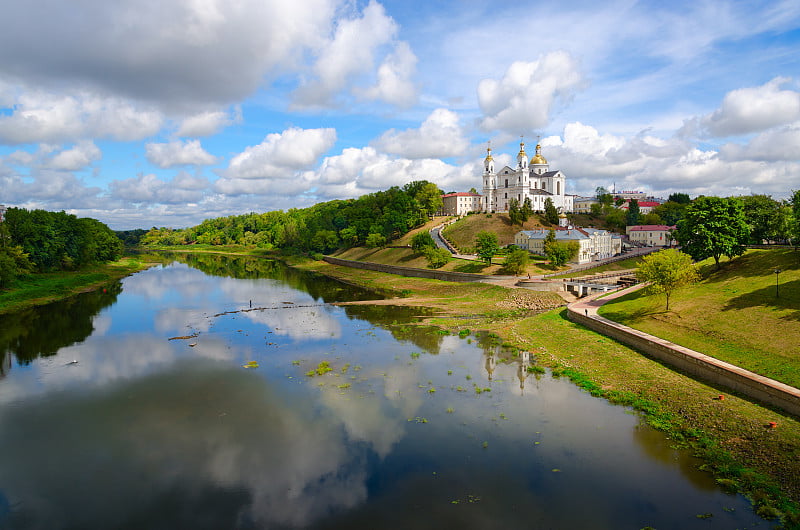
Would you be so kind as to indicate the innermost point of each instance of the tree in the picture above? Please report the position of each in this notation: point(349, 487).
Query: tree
point(666, 271)
point(764, 215)
point(560, 252)
point(794, 228)
point(422, 241)
point(550, 211)
point(375, 240)
point(670, 212)
point(487, 245)
point(516, 261)
point(633, 217)
point(713, 227)
point(615, 219)
point(680, 198)
point(437, 257)
point(514, 212)
point(527, 209)
point(603, 196)
point(13, 264)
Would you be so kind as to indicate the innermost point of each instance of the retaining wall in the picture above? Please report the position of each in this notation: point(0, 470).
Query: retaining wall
point(717, 372)
point(409, 271)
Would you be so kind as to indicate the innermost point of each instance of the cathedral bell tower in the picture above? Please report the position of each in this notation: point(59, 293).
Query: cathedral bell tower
point(489, 181)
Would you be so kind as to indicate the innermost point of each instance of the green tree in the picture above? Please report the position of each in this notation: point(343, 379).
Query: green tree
point(633, 217)
point(487, 245)
point(375, 240)
point(560, 252)
point(670, 212)
point(713, 227)
point(794, 222)
point(527, 209)
point(436, 257)
point(764, 215)
point(422, 241)
point(550, 211)
point(615, 219)
point(652, 219)
point(13, 264)
point(514, 212)
point(516, 261)
point(679, 198)
point(603, 196)
point(666, 271)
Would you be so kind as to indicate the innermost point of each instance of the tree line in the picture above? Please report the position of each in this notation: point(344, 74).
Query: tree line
point(768, 219)
point(371, 220)
point(43, 241)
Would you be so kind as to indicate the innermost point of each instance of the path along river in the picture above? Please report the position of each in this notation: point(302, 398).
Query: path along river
point(109, 421)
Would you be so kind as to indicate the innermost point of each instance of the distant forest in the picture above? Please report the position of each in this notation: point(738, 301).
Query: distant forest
point(42, 241)
point(371, 220)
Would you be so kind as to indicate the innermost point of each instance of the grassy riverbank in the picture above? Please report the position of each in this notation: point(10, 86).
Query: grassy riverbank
point(731, 435)
point(733, 314)
point(39, 289)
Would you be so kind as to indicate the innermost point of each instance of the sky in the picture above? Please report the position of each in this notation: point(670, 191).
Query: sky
point(145, 113)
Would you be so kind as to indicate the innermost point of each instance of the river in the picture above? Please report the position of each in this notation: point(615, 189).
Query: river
point(218, 392)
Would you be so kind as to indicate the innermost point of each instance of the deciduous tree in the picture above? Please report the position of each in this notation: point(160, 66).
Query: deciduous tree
point(516, 261)
point(666, 271)
point(487, 245)
point(713, 227)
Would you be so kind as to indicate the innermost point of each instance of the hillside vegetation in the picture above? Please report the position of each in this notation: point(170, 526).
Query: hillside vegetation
point(733, 314)
point(462, 233)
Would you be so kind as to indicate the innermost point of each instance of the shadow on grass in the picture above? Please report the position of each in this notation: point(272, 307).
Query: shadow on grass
point(473, 267)
point(787, 297)
point(755, 263)
point(409, 257)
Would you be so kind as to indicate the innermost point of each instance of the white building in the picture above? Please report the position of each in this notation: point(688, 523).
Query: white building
point(651, 235)
point(532, 181)
point(2, 212)
point(460, 203)
point(584, 204)
point(594, 244)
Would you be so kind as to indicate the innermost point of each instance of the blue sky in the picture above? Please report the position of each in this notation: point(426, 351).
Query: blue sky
point(166, 112)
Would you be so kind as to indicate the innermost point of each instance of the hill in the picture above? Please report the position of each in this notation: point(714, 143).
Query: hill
point(462, 233)
point(734, 314)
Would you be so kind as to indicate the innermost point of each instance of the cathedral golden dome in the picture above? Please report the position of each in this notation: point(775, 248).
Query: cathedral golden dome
point(538, 158)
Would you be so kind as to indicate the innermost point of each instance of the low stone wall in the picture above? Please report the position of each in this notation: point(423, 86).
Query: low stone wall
point(717, 372)
point(409, 271)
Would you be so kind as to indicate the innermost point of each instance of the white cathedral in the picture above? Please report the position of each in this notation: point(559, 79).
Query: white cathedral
point(532, 181)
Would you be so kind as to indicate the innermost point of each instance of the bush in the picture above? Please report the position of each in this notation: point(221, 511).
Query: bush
point(13, 264)
point(437, 257)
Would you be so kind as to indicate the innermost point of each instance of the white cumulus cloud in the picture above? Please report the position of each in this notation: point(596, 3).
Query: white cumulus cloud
point(440, 135)
point(350, 54)
point(524, 98)
point(750, 110)
point(178, 153)
point(80, 156)
point(280, 155)
point(208, 123)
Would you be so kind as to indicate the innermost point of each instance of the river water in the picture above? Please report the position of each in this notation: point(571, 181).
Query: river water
point(141, 406)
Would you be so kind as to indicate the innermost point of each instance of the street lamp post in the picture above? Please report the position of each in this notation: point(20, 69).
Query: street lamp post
point(777, 272)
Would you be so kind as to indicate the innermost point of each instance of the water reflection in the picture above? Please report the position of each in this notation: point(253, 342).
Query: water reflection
point(409, 428)
point(224, 434)
point(42, 331)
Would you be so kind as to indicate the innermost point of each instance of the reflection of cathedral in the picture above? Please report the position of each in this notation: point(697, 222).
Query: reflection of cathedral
point(532, 181)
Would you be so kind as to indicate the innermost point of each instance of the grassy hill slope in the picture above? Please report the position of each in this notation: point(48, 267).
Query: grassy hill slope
point(732, 314)
point(462, 233)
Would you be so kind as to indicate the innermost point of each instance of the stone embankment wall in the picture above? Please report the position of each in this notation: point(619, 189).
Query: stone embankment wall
point(409, 271)
point(717, 372)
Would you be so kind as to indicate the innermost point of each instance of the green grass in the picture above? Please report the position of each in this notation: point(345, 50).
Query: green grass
point(625, 264)
point(38, 289)
point(732, 314)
